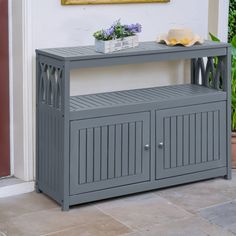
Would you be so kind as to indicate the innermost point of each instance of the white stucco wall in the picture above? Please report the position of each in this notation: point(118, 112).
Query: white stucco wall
point(55, 26)
point(48, 24)
point(218, 18)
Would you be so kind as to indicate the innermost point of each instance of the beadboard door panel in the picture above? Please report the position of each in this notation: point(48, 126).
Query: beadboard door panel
point(108, 152)
point(190, 139)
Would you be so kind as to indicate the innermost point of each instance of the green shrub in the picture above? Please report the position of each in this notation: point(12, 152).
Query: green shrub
point(232, 20)
point(233, 44)
point(233, 81)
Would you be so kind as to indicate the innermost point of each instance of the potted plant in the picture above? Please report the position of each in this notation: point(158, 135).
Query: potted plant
point(117, 37)
point(233, 105)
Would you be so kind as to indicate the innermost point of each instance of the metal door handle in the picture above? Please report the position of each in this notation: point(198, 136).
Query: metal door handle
point(161, 145)
point(147, 147)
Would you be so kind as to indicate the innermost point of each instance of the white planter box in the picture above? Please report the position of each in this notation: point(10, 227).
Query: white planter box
point(116, 45)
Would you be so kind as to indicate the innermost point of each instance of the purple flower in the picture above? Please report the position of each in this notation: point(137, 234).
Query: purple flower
point(116, 23)
point(138, 27)
point(134, 28)
point(109, 32)
point(117, 30)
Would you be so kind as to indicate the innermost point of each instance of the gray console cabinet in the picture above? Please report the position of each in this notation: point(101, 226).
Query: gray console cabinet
point(97, 146)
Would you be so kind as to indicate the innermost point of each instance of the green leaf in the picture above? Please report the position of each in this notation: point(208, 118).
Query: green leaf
point(232, 19)
point(233, 44)
point(233, 98)
point(214, 38)
point(233, 120)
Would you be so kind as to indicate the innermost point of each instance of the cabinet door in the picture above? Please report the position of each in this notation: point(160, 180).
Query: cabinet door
point(108, 152)
point(190, 139)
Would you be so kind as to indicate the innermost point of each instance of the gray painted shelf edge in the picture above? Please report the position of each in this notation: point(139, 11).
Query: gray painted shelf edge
point(150, 47)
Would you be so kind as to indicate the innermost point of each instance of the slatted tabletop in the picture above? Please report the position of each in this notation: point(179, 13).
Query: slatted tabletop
point(130, 97)
point(88, 52)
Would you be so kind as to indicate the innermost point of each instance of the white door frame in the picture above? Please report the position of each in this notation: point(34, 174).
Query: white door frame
point(22, 98)
point(218, 18)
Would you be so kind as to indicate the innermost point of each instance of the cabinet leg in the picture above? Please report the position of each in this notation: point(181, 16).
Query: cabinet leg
point(228, 176)
point(65, 206)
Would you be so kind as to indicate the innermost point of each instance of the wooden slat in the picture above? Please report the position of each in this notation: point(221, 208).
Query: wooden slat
point(186, 140)
point(111, 151)
point(218, 73)
point(192, 138)
point(97, 154)
point(89, 156)
point(118, 153)
point(204, 137)
point(198, 138)
point(144, 48)
point(216, 139)
point(50, 149)
point(167, 161)
point(202, 70)
point(56, 166)
point(143, 94)
point(179, 141)
point(43, 147)
point(82, 156)
point(210, 71)
point(199, 134)
point(131, 148)
point(47, 122)
point(210, 126)
point(129, 97)
point(125, 149)
point(101, 100)
point(138, 147)
point(173, 143)
point(104, 146)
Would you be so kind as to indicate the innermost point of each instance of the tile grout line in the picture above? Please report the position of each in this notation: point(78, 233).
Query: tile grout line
point(179, 207)
point(215, 205)
point(217, 226)
point(195, 212)
point(133, 230)
point(128, 226)
point(25, 214)
point(229, 230)
point(58, 231)
point(76, 226)
point(139, 230)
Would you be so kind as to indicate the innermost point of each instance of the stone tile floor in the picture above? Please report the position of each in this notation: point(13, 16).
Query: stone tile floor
point(201, 209)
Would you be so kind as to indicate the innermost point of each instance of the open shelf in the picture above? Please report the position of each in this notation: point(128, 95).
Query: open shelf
point(147, 95)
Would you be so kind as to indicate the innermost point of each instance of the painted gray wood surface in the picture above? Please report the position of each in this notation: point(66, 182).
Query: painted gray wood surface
point(108, 152)
point(187, 134)
point(144, 48)
point(97, 146)
point(143, 96)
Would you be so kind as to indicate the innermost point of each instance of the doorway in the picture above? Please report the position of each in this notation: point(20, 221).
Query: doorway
point(4, 92)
